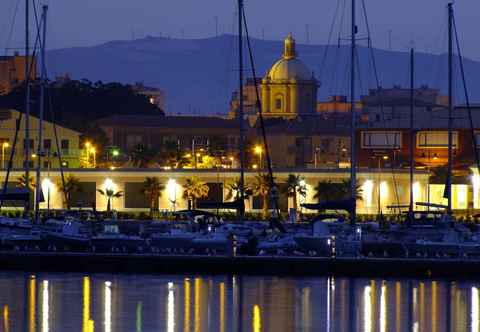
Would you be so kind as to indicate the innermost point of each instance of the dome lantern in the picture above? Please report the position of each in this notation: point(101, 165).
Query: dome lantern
point(289, 49)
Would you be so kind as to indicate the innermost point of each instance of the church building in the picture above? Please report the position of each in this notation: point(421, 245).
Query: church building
point(288, 90)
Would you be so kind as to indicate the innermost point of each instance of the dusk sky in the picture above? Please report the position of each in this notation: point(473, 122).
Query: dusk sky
point(89, 22)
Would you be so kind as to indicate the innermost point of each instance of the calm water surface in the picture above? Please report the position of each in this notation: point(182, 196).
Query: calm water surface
point(101, 302)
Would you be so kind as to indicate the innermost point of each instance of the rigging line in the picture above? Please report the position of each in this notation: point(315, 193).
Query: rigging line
point(260, 115)
point(377, 80)
point(338, 54)
point(439, 43)
point(12, 25)
point(59, 153)
point(329, 41)
point(17, 129)
point(359, 72)
point(467, 97)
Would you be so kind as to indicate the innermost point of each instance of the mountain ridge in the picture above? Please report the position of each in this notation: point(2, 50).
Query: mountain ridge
point(199, 75)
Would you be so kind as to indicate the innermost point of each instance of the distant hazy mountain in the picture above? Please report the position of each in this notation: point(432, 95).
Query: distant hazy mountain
point(199, 76)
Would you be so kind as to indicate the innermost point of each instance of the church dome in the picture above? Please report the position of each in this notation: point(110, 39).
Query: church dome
point(289, 67)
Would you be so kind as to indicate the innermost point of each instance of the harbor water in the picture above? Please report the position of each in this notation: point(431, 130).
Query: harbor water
point(143, 303)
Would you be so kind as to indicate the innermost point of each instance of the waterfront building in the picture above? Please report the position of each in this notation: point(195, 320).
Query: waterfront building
point(379, 189)
point(68, 140)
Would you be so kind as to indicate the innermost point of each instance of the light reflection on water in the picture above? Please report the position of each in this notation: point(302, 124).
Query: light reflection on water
point(105, 303)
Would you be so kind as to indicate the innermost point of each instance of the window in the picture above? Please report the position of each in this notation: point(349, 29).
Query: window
point(47, 144)
point(65, 144)
point(25, 144)
point(278, 103)
point(133, 140)
point(435, 139)
point(381, 139)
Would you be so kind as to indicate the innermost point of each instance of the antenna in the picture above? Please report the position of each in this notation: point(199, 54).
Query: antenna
point(307, 34)
point(216, 25)
point(390, 39)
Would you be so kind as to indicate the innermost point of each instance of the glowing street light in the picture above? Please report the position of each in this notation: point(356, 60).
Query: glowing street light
point(4, 146)
point(258, 150)
point(94, 153)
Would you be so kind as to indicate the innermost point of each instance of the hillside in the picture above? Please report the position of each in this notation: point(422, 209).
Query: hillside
point(200, 75)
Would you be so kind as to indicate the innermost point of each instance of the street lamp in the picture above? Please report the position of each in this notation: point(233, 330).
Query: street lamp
point(258, 150)
point(4, 146)
point(94, 153)
point(87, 149)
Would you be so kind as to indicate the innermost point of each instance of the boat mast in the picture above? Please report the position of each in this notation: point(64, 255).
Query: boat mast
point(353, 163)
point(240, 110)
point(412, 140)
point(450, 107)
point(43, 81)
point(27, 102)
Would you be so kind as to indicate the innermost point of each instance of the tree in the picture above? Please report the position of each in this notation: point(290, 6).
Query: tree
point(22, 182)
point(261, 187)
point(329, 191)
point(295, 185)
point(71, 185)
point(110, 194)
point(152, 188)
point(233, 190)
point(347, 190)
point(142, 156)
point(194, 190)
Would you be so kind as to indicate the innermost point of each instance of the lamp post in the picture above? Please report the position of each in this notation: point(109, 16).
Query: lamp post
point(258, 150)
point(93, 151)
point(4, 146)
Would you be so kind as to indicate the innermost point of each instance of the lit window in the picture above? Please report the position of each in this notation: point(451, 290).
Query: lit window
point(435, 139)
point(381, 139)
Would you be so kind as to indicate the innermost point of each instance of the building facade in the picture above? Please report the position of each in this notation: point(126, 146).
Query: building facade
point(68, 140)
point(379, 189)
point(288, 90)
point(12, 72)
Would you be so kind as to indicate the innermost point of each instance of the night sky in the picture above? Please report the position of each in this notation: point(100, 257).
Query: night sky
point(89, 22)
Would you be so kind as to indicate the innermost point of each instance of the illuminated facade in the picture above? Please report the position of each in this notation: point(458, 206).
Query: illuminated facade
point(130, 181)
point(288, 90)
point(12, 72)
point(68, 140)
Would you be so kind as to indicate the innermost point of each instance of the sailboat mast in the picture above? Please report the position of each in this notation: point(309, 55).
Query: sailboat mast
point(412, 133)
point(450, 107)
point(43, 81)
point(27, 99)
point(353, 161)
point(240, 110)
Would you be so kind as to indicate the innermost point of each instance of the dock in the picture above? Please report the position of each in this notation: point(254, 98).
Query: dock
point(35, 262)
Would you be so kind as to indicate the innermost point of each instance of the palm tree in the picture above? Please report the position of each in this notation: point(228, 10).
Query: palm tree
point(152, 188)
point(261, 187)
point(142, 156)
point(295, 185)
point(22, 182)
point(233, 190)
point(347, 190)
point(328, 191)
point(194, 190)
point(110, 194)
point(71, 185)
